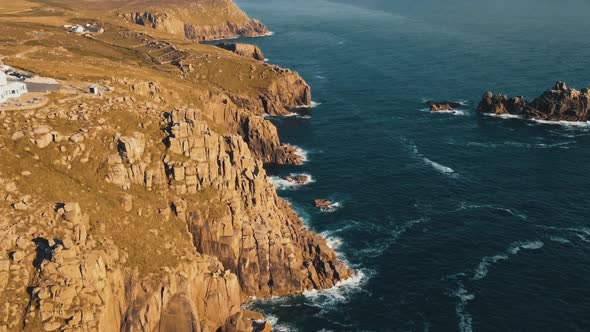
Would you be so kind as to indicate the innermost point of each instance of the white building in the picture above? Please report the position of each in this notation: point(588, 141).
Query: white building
point(10, 89)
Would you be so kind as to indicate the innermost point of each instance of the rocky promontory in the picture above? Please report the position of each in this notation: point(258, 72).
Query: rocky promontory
point(247, 50)
point(560, 103)
point(196, 20)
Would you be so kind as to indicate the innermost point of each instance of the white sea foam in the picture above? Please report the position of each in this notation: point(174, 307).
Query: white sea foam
point(314, 104)
point(504, 116)
point(281, 184)
point(333, 207)
point(465, 320)
point(270, 33)
point(332, 241)
point(302, 153)
point(525, 245)
point(482, 269)
point(320, 77)
point(564, 123)
point(493, 207)
point(451, 111)
point(559, 239)
point(338, 294)
point(580, 232)
point(278, 326)
point(441, 168)
point(549, 122)
point(377, 249)
point(266, 59)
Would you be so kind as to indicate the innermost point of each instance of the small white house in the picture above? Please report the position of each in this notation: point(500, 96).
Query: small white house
point(10, 89)
point(94, 89)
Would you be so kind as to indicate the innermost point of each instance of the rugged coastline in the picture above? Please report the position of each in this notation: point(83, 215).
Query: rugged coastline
point(148, 207)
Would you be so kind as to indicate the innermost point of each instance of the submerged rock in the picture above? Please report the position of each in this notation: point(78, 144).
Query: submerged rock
point(441, 106)
point(560, 103)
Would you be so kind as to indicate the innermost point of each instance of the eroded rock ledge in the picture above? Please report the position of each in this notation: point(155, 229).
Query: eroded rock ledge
point(560, 103)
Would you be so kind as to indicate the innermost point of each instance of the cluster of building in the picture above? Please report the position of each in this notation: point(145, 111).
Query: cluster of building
point(84, 29)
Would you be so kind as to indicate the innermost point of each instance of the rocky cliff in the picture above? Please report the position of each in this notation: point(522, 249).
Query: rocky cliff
point(196, 20)
point(148, 208)
point(558, 104)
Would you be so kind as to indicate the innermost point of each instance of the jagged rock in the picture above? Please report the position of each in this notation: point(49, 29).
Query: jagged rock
point(247, 50)
point(558, 104)
point(131, 147)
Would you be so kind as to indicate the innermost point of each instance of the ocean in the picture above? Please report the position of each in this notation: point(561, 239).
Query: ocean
point(454, 221)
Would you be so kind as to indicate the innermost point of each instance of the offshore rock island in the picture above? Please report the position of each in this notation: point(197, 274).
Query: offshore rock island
point(560, 103)
point(135, 198)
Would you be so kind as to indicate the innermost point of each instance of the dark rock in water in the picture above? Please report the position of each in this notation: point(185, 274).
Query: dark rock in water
point(324, 204)
point(441, 106)
point(297, 179)
point(558, 104)
point(247, 50)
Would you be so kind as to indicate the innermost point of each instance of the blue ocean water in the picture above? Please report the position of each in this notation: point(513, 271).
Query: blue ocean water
point(455, 222)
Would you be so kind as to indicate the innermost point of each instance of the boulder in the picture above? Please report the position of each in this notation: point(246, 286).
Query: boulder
point(131, 147)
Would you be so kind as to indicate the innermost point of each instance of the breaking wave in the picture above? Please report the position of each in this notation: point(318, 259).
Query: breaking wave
point(333, 207)
point(482, 269)
point(451, 111)
point(302, 153)
point(327, 299)
point(527, 245)
point(564, 123)
point(278, 326)
point(441, 168)
point(436, 166)
point(559, 239)
point(503, 116)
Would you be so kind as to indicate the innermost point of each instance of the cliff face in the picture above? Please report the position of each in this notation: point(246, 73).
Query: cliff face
point(241, 221)
point(197, 20)
point(75, 280)
point(557, 104)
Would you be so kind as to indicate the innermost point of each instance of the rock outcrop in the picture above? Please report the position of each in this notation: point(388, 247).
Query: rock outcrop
point(558, 104)
point(247, 50)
